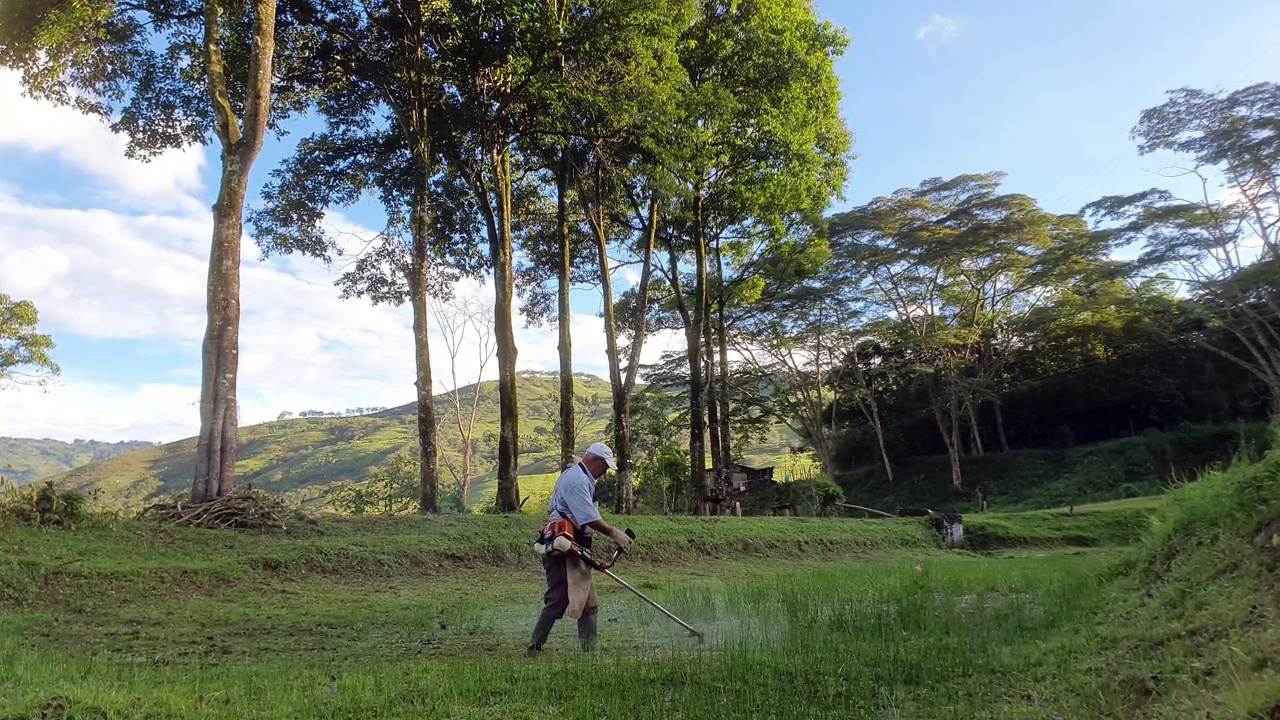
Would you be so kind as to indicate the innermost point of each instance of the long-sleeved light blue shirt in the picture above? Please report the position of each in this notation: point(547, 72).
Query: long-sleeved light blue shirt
point(572, 498)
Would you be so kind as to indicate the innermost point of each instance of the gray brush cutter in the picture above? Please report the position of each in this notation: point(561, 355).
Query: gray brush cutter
point(576, 550)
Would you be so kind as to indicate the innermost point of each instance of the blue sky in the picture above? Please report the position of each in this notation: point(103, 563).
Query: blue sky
point(112, 251)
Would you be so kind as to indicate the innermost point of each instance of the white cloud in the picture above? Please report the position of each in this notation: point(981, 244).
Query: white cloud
point(939, 31)
point(104, 275)
point(80, 408)
point(86, 144)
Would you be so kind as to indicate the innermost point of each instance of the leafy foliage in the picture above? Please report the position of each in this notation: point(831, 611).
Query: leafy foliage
point(24, 353)
point(42, 505)
point(390, 488)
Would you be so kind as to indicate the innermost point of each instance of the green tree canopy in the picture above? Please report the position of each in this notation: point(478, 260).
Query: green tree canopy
point(24, 353)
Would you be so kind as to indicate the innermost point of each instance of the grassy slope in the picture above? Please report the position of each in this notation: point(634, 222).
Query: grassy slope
point(1196, 631)
point(302, 457)
point(1107, 524)
point(26, 460)
point(1031, 479)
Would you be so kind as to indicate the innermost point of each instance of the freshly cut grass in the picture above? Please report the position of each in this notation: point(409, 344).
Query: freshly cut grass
point(144, 558)
point(843, 640)
point(805, 618)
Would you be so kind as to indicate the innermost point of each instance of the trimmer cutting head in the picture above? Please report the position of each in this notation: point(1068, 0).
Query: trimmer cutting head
point(585, 556)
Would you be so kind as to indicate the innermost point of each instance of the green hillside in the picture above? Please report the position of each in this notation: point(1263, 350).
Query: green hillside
point(303, 457)
point(25, 460)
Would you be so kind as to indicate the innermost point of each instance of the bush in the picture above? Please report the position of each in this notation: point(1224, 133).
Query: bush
point(389, 488)
point(43, 505)
point(662, 482)
point(812, 497)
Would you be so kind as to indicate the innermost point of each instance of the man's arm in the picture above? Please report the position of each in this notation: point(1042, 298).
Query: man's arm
point(614, 533)
point(581, 506)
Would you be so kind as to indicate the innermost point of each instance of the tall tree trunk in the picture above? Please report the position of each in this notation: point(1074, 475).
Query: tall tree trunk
point(1004, 439)
point(726, 439)
point(950, 435)
point(616, 384)
point(957, 444)
point(218, 443)
point(622, 419)
point(697, 416)
point(568, 442)
point(568, 428)
point(871, 410)
point(428, 461)
point(974, 429)
point(697, 389)
point(501, 251)
point(880, 440)
point(713, 396)
point(429, 466)
point(217, 446)
point(466, 471)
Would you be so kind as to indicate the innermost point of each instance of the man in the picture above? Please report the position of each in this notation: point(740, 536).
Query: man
point(574, 500)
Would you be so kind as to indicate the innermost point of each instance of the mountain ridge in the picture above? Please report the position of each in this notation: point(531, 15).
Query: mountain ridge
point(29, 460)
point(303, 458)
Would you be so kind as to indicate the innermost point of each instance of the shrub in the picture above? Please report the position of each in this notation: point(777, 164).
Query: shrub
point(43, 505)
point(389, 488)
point(662, 481)
point(814, 496)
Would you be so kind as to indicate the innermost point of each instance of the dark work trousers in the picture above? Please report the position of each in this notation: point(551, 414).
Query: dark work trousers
point(554, 604)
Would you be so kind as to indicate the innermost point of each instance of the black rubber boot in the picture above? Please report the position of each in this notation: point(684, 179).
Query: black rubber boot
point(587, 631)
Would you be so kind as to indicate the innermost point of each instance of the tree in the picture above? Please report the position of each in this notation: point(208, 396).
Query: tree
point(169, 75)
point(762, 141)
point(24, 353)
point(1206, 246)
point(1221, 244)
point(796, 347)
point(1236, 134)
point(284, 415)
point(495, 63)
point(661, 465)
point(378, 92)
point(956, 268)
point(623, 386)
point(460, 319)
point(621, 108)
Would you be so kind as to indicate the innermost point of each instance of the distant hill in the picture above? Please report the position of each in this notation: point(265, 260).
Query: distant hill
point(26, 460)
point(304, 457)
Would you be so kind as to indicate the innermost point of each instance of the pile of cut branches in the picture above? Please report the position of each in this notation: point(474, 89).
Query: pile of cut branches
point(244, 508)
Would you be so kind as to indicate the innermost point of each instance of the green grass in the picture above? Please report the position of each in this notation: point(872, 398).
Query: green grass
point(1119, 522)
point(1159, 608)
point(1199, 616)
point(805, 641)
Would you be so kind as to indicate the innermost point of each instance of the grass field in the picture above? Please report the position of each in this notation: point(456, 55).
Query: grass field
point(805, 618)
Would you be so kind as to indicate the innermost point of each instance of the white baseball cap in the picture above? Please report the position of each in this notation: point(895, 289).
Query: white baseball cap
point(603, 452)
